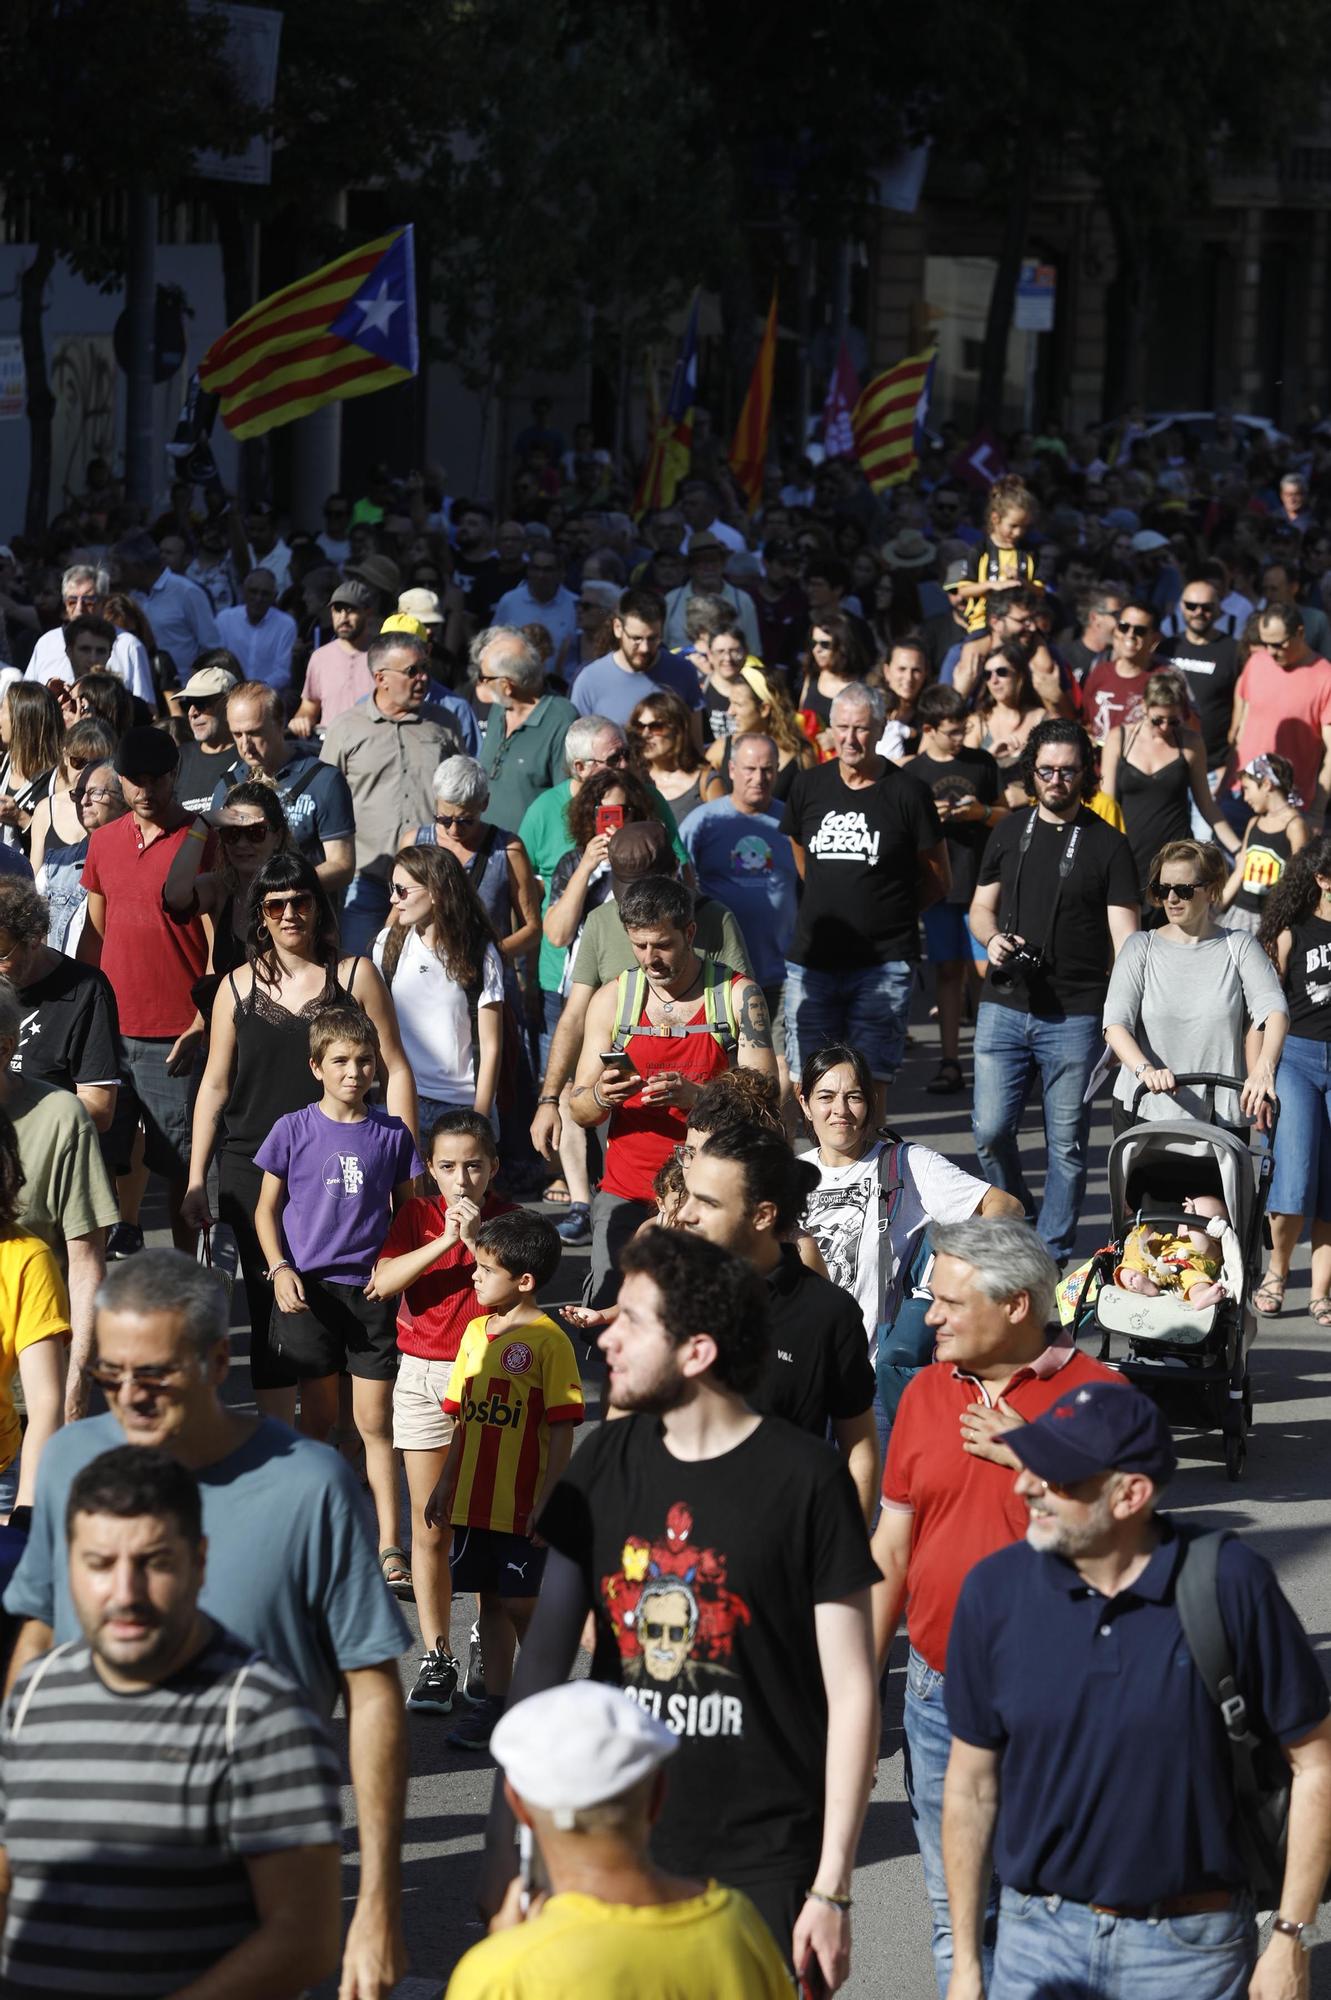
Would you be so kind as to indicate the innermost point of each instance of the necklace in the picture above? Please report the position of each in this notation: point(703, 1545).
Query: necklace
point(668, 1002)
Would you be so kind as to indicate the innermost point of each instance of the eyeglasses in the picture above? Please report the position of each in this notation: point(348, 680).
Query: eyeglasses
point(449, 820)
point(684, 1153)
point(1185, 891)
point(617, 761)
point(493, 679)
point(1058, 774)
point(1165, 721)
point(1139, 631)
point(417, 672)
point(676, 1634)
point(252, 830)
point(92, 798)
point(1199, 605)
point(154, 1376)
point(300, 903)
point(399, 891)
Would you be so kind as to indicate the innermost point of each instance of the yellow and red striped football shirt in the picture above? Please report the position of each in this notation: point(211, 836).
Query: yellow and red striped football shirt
point(505, 1393)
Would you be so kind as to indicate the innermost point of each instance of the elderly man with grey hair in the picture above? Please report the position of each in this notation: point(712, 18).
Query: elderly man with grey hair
point(83, 591)
point(948, 1497)
point(312, 1599)
point(868, 846)
point(523, 751)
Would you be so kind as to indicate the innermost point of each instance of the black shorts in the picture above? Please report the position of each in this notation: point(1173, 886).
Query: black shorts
point(502, 1565)
point(337, 1328)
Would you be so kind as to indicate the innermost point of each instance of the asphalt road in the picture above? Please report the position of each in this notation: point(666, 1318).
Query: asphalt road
point(1283, 1506)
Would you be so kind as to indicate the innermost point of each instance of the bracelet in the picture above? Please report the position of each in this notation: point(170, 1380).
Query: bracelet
point(283, 1264)
point(596, 1094)
point(1140, 1070)
point(547, 1100)
point(842, 1903)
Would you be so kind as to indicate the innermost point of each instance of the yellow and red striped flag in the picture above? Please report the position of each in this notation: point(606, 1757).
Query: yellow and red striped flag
point(346, 330)
point(748, 452)
point(671, 448)
point(889, 418)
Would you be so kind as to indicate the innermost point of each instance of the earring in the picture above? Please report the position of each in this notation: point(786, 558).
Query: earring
point(262, 931)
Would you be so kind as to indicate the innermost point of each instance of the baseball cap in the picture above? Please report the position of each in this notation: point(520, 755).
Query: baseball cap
point(146, 753)
point(399, 622)
point(422, 604)
point(642, 847)
point(956, 572)
point(1103, 1427)
point(207, 684)
point(379, 572)
point(578, 1746)
point(1147, 540)
point(356, 596)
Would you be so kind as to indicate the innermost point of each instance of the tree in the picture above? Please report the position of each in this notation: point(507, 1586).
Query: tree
point(91, 113)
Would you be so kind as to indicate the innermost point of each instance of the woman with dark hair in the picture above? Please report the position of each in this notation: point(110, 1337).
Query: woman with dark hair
point(1296, 936)
point(665, 754)
point(835, 663)
point(1276, 832)
point(58, 839)
point(1156, 769)
point(1006, 710)
point(106, 696)
point(258, 1069)
point(32, 731)
point(251, 827)
point(905, 670)
point(34, 1331)
point(439, 954)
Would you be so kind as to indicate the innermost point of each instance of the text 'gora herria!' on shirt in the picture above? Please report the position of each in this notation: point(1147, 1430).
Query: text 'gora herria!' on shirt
point(845, 836)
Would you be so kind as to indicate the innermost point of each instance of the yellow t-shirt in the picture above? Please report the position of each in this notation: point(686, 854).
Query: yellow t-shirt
point(33, 1306)
point(715, 1944)
point(506, 1392)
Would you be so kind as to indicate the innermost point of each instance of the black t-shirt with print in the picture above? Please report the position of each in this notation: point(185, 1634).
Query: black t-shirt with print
point(1308, 981)
point(970, 774)
point(197, 775)
point(1212, 673)
point(69, 1032)
point(860, 902)
point(1078, 949)
point(704, 1575)
point(819, 1365)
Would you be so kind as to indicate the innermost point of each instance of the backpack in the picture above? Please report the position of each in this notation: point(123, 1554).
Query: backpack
point(905, 1343)
point(1260, 1773)
point(718, 1009)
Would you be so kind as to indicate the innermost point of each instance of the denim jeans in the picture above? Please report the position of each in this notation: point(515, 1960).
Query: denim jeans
point(1049, 1949)
point(364, 913)
point(1010, 1049)
point(1301, 1182)
point(869, 1008)
point(927, 1747)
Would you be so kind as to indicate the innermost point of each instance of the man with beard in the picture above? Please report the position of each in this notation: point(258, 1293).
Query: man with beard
point(773, 1770)
point(158, 1754)
point(1088, 1755)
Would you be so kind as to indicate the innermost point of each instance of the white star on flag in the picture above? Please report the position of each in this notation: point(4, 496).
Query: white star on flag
point(376, 313)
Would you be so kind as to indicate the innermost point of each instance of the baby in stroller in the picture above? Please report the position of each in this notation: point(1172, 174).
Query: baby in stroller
point(1190, 1262)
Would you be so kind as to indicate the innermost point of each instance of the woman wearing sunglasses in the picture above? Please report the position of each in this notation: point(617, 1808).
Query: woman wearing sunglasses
point(251, 827)
point(661, 741)
point(1007, 709)
point(1181, 996)
point(1156, 770)
point(496, 861)
point(59, 838)
point(258, 1069)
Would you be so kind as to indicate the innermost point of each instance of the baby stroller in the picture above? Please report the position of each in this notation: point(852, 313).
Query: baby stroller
point(1193, 1363)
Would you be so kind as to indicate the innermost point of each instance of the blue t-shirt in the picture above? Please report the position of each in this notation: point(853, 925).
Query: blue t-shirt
point(315, 797)
point(1115, 1781)
point(602, 688)
point(338, 1179)
point(744, 861)
point(292, 1565)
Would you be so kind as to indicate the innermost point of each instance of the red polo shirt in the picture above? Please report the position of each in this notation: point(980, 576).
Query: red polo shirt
point(964, 1507)
point(151, 961)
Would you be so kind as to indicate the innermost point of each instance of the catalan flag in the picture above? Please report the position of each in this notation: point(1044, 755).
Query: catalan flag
point(748, 451)
point(888, 421)
point(672, 446)
point(344, 331)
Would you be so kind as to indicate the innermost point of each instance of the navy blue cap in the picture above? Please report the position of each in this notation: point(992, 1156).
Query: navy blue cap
point(1102, 1427)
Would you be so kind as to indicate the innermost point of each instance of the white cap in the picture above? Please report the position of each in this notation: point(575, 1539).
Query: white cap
point(1147, 540)
point(577, 1746)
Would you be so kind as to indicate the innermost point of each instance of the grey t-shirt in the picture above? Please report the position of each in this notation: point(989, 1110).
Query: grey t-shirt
point(1187, 1006)
point(292, 1567)
point(604, 950)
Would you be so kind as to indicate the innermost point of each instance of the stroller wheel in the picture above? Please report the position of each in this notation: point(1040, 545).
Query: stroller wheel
point(1236, 1455)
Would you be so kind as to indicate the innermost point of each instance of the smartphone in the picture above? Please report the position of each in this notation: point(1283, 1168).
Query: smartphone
point(531, 1869)
point(813, 1986)
point(616, 1059)
point(609, 819)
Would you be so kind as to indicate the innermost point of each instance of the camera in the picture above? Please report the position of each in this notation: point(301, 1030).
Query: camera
point(1020, 964)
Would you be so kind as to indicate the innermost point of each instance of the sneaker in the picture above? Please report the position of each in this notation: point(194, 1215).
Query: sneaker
point(125, 1240)
point(576, 1226)
point(437, 1681)
point(473, 1687)
point(473, 1732)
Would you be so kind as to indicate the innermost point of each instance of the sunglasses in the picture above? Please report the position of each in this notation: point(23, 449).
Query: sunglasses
point(1185, 891)
point(1140, 630)
point(998, 673)
point(1277, 645)
point(253, 830)
point(1058, 774)
point(1192, 604)
point(1165, 721)
point(299, 904)
point(155, 1377)
point(650, 727)
point(617, 761)
point(399, 891)
point(823, 645)
point(81, 763)
point(449, 820)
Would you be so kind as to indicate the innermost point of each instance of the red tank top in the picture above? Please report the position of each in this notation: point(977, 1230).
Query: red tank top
point(643, 1135)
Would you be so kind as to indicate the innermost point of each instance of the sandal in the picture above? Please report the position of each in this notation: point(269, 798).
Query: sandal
point(397, 1574)
point(947, 1081)
point(1320, 1310)
point(557, 1192)
point(1272, 1290)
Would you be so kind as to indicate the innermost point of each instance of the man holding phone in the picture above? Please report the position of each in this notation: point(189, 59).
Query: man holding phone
point(654, 1038)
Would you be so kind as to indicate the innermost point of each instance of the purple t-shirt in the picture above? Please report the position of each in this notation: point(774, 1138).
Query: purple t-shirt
point(338, 1179)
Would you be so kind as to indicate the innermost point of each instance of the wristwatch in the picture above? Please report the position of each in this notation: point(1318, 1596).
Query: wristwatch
point(1302, 1934)
point(1140, 1070)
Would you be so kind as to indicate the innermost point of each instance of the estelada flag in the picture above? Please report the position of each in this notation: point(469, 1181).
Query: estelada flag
point(748, 451)
point(843, 392)
point(343, 331)
point(889, 419)
point(672, 447)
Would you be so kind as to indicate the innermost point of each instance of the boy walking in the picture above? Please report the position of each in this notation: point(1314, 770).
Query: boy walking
point(329, 1171)
point(426, 1264)
point(516, 1394)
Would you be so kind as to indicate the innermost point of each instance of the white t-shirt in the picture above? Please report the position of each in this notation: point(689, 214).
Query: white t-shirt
point(842, 1215)
point(128, 662)
point(434, 1019)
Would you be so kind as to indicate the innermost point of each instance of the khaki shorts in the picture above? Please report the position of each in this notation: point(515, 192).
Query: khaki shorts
point(419, 1423)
